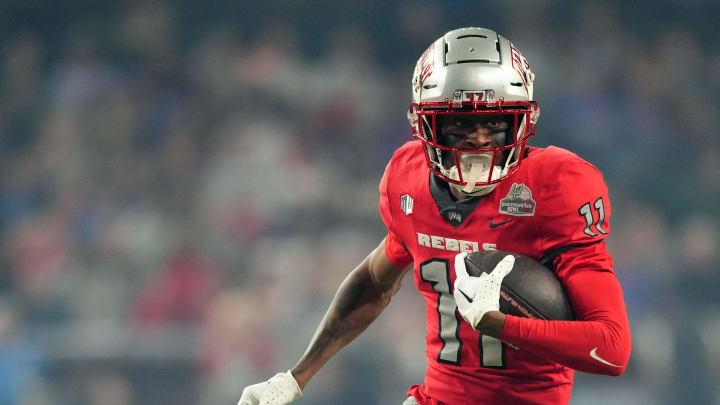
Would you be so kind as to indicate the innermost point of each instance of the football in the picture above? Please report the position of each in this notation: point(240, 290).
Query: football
point(530, 290)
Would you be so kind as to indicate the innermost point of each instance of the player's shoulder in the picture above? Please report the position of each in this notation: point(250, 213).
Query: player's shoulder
point(553, 155)
point(553, 160)
point(405, 173)
point(409, 152)
point(406, 160)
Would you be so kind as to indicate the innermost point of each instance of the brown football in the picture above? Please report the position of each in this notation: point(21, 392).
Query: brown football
point(530, 290)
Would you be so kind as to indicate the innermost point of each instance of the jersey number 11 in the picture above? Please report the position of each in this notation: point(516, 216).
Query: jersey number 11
point(492, 351)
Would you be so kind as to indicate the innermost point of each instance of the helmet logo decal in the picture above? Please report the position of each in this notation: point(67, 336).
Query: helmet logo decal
point(518, 202)
point(520, 64)
point(473, 95)
point(460, 96)
point(427, 63)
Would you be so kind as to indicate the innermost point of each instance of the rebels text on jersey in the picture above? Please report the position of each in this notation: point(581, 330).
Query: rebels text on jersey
point(554, 202)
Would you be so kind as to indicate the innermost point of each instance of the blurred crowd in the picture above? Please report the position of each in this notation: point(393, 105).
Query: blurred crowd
point(183, 187)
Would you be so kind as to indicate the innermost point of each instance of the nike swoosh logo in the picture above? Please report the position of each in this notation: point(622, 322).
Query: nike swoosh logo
point(470, 300)
point(496, 224)
point(594, 355)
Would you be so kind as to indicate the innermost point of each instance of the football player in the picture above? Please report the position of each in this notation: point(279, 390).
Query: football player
point(470, 182)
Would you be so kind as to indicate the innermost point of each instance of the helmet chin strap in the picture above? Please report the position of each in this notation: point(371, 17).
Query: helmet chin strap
point(475, 167)
point(479, 190)
point(470, 189)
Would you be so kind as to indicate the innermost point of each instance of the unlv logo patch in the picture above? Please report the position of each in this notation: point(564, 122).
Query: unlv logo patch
point(518, 202)
point(406, 204)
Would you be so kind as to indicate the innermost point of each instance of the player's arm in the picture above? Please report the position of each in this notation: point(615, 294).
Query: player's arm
point(599, 342)
point(361, 297)
point(364, 293)
point(574, 222)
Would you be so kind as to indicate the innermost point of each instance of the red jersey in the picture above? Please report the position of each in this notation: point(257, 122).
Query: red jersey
point(556, 209)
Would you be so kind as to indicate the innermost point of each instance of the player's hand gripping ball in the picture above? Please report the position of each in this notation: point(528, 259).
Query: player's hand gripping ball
point(529, 290)
point(478, 294)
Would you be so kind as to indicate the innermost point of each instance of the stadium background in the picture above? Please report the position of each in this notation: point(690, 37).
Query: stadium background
point(184, 184)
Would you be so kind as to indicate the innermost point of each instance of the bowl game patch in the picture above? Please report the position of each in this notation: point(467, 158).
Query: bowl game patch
point(518, 201)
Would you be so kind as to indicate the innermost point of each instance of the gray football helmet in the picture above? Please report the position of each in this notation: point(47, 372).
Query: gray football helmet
point(473, 71)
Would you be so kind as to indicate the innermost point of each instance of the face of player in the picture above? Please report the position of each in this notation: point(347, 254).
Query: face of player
point(473, 131)
point(466, 131)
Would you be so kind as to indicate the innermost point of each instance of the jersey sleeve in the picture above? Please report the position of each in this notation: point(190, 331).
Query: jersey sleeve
point(600, 342)
point(575, 212)
point(394, 248)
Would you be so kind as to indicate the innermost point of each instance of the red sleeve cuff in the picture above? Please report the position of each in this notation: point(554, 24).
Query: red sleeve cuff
point(396, 251)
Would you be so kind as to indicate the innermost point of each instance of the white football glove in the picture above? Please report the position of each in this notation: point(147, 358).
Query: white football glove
point(476, 296)
point(279, 390)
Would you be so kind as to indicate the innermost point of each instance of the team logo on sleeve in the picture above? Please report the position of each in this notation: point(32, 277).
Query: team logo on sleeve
point(518, 202)
point(406, 204)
